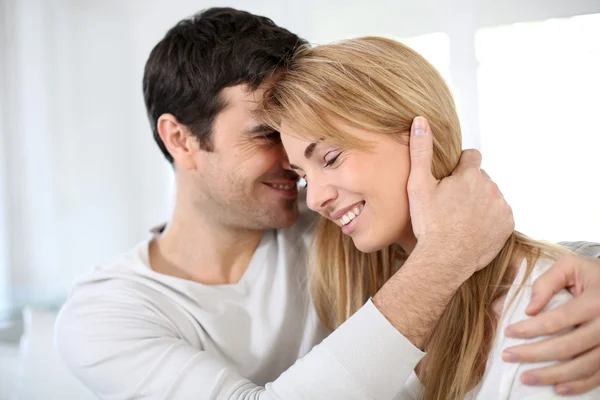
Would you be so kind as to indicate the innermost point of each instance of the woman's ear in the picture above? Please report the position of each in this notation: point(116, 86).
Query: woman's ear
point(178, 140)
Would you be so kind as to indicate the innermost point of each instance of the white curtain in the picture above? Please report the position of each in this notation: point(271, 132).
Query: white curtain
point(4, 234)
point(71, 194)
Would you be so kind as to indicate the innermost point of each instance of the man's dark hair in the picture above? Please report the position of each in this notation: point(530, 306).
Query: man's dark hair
point(202, 55)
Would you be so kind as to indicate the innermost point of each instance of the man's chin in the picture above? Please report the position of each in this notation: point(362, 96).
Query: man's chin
point(283, 217)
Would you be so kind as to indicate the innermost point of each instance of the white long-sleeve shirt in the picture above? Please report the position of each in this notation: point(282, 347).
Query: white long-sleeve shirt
point(128, 332)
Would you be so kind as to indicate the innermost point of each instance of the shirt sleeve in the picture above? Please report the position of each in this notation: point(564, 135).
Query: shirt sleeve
point(122, 348)
point(588, 249)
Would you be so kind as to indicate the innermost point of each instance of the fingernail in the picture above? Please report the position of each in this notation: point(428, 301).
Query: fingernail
point(510, 332)
point(509, 356)
point(529, 309)
point(531, 304)
point(419, 126)
point(529, 379)
point(563, 389)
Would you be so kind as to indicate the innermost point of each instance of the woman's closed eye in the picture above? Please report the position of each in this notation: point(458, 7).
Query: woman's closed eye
point(331, 158)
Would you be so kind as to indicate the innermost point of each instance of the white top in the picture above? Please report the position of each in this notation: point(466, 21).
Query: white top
point(128, 332)
point(501, 380)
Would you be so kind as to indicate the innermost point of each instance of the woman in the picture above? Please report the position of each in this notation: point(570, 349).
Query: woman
point(344, 112)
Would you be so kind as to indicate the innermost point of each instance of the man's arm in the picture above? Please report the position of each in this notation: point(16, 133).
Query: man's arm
point(430, 217)
point(586, 249)
point(461, 224)
point(121, 347)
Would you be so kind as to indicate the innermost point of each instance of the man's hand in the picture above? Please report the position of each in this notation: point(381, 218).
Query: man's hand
point(581, 276)
point(461, 223)
point(462, 216)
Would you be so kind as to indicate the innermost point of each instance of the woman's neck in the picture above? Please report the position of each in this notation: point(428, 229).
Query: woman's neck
point(407, 240)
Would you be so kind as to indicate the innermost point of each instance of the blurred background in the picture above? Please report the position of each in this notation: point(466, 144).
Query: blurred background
point(81, 179)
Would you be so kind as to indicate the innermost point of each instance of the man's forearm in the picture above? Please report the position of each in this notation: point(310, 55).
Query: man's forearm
point(416, 296)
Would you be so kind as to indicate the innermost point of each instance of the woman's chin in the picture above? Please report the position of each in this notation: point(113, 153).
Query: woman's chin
point(367, 246)
point(369, 243)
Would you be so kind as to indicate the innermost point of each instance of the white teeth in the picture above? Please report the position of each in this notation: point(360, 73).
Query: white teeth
point(350, 215)
point(284, 187)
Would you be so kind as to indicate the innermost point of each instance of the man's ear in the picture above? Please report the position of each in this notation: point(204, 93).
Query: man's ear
point(178, 140)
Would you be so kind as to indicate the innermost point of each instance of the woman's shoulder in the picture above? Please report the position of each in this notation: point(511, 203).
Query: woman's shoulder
point(519, 295)
point(541, 266)
point(501, 379)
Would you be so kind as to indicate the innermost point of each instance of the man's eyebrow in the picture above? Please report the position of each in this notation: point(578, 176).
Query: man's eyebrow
point(262, 128)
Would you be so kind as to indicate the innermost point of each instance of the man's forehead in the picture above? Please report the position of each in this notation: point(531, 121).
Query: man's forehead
point(246, 94)
point(237, 95)
point(241, 103)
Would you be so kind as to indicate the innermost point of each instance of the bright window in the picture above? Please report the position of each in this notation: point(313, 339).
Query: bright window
point(539, 89)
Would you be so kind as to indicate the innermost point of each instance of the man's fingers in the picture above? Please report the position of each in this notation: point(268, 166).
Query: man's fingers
point(574, 312)
point(559, 347)
point(421, 154)
point(581, 368)
point(470, 158)
point(579, 386)
point(560, 276)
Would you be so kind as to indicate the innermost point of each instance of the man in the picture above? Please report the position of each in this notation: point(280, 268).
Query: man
point(215, 306)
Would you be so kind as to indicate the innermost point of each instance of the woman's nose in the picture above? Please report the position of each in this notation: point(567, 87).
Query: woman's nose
point(319, 196)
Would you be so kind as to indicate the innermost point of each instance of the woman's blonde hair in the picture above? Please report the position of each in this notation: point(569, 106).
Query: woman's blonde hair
point(380, 85)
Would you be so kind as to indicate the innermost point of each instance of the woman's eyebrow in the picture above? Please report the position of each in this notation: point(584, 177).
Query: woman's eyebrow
point(308, 152)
